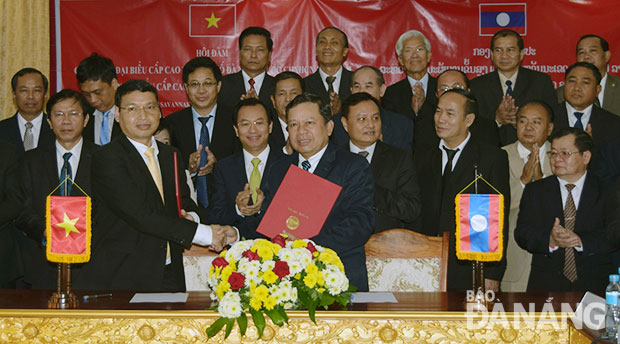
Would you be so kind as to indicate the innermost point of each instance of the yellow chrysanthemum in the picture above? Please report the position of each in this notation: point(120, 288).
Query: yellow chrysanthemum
point(265, 253)
point(297, 276)
point(226, 272)
point(270, 277)
point(321, 290)
point(221, 289)
point(299, 243)
point(255, 303)
point(269, 303)
point(261, 292)
point(320, 280)
point(232, 265)
point(312, 269)
point(310, 280)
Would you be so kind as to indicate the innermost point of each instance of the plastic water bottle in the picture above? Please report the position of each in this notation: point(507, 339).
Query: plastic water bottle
point(611, 313)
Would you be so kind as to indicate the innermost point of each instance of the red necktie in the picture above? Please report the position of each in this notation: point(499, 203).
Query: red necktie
point(252, 82)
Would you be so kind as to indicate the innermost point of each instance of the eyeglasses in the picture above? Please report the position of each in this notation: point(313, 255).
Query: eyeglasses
point(149, 108)
point(194, 85)
point(247, 124)
point(71, 115)
point(563, 154)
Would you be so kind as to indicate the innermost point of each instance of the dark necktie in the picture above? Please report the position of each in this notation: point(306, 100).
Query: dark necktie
point(201, 181)
point(509, 88)
point(252, 82)
point(578, 123)
point(447, 170)
point(363, 153)
point(65, 173)
point(330, 84)
point(570, 213)
point(305, 165)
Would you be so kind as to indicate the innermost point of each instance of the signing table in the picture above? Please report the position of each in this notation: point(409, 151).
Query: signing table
point(416, 318)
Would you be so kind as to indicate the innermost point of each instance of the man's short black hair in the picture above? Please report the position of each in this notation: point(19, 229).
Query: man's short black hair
point(249, 102)
point(507, 33)
point(289, 75)
point(548, 109)
point(324, 109)
point(583, 140)
point(595, 71)
point(471, 105)
point(96, 67)
point(259, 31)
point(201, 62)
point(355, 99)
point(604, 44)
point(134, 85)
point(380, 78)
point(67, 93)
point(346, 40)
point(463, 75)
point(28, 70)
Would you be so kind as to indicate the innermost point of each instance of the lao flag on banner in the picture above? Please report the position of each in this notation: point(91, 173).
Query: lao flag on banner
point(68, 229)
point(212, 20)
point(479, 226)
point(494, 17)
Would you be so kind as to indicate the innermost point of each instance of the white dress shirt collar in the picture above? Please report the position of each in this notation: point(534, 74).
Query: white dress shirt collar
point(503, 79)
point(198, 124)
point(576, 191)
point(424, 81)
point(336, 82)
point(314, 160)
point(258, 81)
point(524, 153)
point(74, 160)
point(284, 126)
point(585, 118)
point(444, 155)
point(36, 127)
point(141, 148)
point(247, 161)
point(370, 149)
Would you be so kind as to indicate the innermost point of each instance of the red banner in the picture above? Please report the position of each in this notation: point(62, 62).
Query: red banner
point(152, 39)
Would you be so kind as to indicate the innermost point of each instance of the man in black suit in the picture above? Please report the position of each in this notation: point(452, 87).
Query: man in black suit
point(41, 171)
point(96, 76)
point(581, 87)
point(414, 96)
point(562, 221)
point(255, 46)
point(287, 86)
point(331, 81)
point(202, 132)
point(27, 129)
point(139, 235)
point(396, 129)
point(502, 91)
point(238, 178)
point(446, 169)
point(397, 196)
point(10, 265)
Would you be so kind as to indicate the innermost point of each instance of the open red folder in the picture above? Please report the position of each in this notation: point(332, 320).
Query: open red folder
point(300, 206)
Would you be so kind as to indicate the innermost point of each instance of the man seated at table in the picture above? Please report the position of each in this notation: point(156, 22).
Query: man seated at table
point(397, 196)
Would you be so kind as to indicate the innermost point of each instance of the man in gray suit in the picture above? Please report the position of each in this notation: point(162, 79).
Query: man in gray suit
point(528, 161)
point(595, 49)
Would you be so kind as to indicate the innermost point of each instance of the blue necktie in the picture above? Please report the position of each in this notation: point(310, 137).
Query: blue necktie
point(65, 172)
point(201, 181)
point(509, 88)
point(578, 124)
point(104, 134)
point(305, 165)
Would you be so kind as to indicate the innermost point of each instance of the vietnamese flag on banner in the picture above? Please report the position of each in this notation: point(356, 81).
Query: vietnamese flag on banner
point(212, 20)
point(479, 226)
point(68, 229)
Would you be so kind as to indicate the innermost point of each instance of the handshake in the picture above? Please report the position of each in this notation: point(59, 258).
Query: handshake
point(222, 236)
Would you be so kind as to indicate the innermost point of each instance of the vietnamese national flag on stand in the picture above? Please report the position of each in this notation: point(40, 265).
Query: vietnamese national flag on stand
point(494, 17)
point(68, 229)
point(212, 20)
point(479, 226)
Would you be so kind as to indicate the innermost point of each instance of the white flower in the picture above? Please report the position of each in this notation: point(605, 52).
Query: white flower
point(267, 265)
point(335, 281)
point(230, 305)
point(235, 252)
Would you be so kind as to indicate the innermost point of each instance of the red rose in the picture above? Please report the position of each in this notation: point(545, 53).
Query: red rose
point(311, 248)
point(251, 255)
point(219, 262)
point(236, 280)
point(281, 268)
point(278, 239)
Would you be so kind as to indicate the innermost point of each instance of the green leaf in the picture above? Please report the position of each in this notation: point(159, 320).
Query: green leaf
point(283, 313)
point(259, 321)
point(243, 323)
point(216, 327)
point(275, 317)
point(327, 299)
point(311, 313)
point(310, 303)
point(230, 323)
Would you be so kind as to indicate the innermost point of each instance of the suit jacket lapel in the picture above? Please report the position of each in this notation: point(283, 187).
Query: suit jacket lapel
point(82, 178)
point(588, 197)
point(557, 208)
point(51, 165)
point(187, 128)
point(327, 161)
point(495, 91)
point(561, 118)
point(515, 162)
point(521, 84)
point(378, 158)
point(142, 170)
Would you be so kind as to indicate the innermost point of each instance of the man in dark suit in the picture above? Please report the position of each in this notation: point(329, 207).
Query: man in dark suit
point(502, 91)
point(331, 81)
point(287, 86)
point(397, 196)
point(562, 221)
point(139, 235)
point(351, 221)
point(238, 178)
point(581, 87)
point(41, 171)
point(202, 132)
point(96, 76)
point(252, 80)
point(414, 96)
point(446, 169)
point(595, 49)
point(27, 129)
point(10, 264)
point(396, 129)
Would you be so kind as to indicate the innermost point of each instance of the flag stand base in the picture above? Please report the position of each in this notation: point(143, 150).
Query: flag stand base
point(63, 298)
point(479, 302)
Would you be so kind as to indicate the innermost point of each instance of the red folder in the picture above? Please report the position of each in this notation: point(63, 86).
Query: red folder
point(300, 206)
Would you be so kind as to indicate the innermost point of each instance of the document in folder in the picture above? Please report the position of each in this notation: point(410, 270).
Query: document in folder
point(300, 206)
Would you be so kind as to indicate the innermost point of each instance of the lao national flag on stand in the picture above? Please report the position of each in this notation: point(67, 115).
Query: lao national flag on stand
point(479, 226)
point(68, 229)
point(212, 20)
point(494, 17)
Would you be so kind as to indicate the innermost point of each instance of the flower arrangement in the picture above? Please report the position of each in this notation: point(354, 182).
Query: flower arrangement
point(259, 276)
